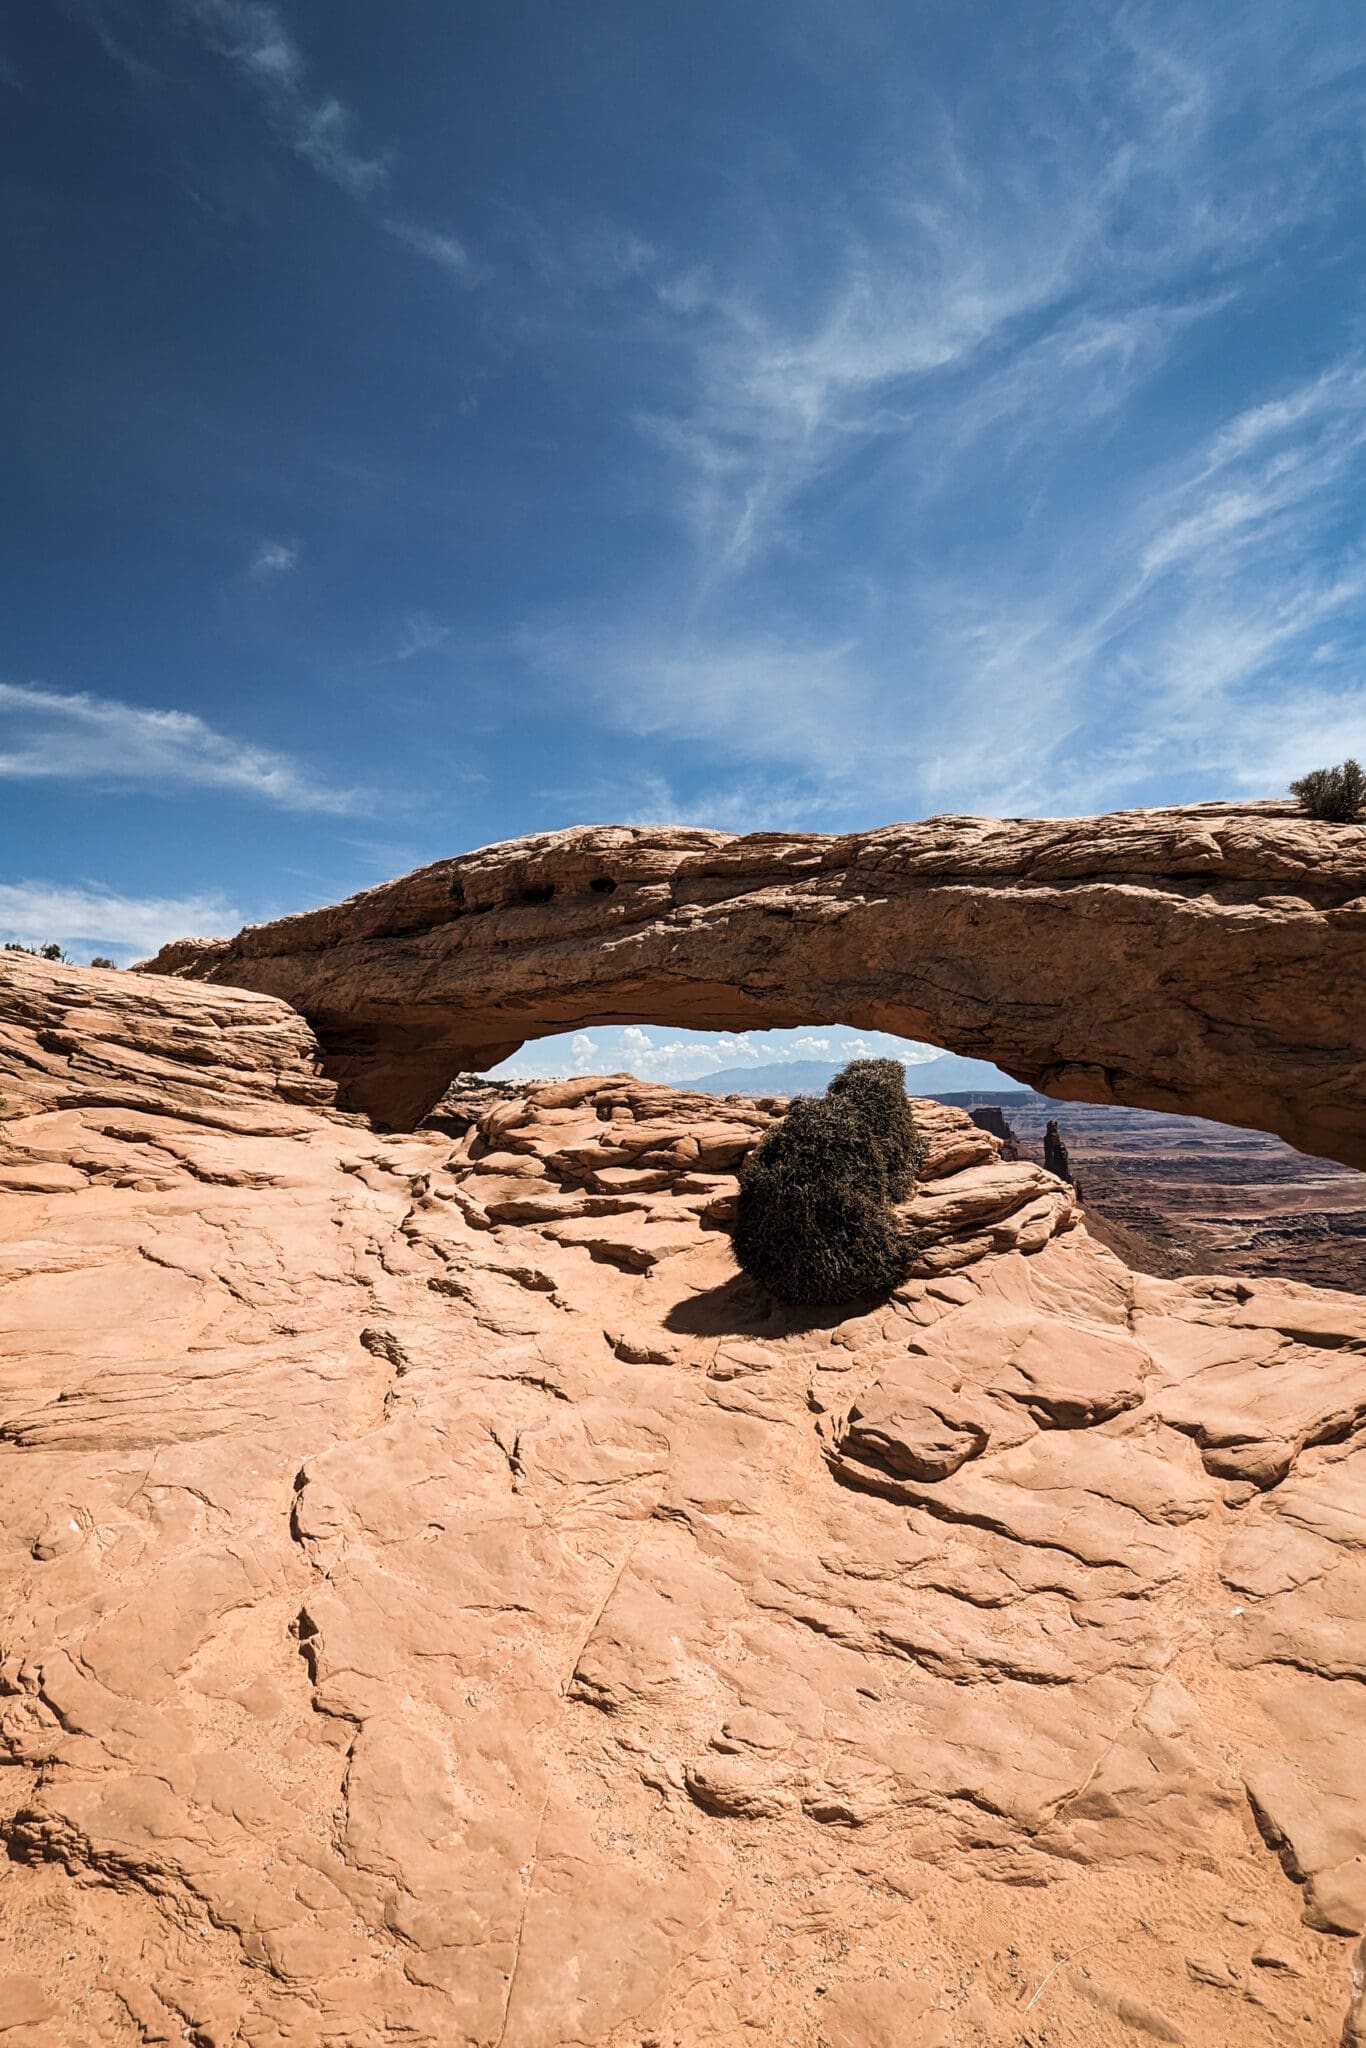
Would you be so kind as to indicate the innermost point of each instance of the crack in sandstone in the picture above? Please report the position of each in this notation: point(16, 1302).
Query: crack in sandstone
point(587, 1638)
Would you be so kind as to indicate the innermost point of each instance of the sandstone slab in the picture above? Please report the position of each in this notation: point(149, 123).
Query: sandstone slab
point(1207, 960)
point(415, 1625)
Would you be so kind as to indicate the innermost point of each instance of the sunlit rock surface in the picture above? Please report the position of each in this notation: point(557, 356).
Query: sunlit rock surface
point(444, 1604)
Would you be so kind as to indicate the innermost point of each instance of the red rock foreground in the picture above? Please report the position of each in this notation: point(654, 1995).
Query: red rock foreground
point(1207, 961)
point(443, 1606)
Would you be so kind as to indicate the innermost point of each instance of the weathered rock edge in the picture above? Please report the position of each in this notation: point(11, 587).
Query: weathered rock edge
point(1206, 960)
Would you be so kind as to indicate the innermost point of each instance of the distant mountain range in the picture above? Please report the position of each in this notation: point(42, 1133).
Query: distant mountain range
point(950, 1074)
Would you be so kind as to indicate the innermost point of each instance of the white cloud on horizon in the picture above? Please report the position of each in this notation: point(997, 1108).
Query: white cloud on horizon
point(655, 1054)
point(75, 736)
point(87, 918)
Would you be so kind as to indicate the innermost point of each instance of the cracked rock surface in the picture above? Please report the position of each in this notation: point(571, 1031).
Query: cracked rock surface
point(1207, 960)
point(443, 1602)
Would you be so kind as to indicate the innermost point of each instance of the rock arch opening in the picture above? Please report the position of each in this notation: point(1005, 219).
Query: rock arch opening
point(1171, 1196)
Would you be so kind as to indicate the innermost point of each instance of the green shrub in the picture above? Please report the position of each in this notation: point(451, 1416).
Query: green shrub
point(1336, 795)
point(814, 1220)
point(102, 960)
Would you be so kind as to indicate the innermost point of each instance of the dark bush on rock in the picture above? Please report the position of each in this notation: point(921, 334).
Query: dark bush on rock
point(814, 1220)
point(1336, 795)
point(876, 1091)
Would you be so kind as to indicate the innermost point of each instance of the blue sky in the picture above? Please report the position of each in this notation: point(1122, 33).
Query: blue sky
point(424, 425)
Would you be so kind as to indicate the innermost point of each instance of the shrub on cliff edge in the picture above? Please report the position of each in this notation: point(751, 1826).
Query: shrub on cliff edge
point(1335, 795)
point(814, 1221)
point(876, 1091)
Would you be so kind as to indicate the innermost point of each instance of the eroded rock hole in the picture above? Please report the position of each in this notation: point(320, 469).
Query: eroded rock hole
point(602, 885)
point(538, 892)
point(305, 1631)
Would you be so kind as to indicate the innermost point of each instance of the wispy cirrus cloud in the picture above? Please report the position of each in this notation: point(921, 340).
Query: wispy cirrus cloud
point(1273, 465)
point(72, 736)
point(272, 558)
point(989, 271)
point(998, 451)
point(573, 253)
point(83, 917)
point(793, 714)
point(1216, 630)
point(995, 496)
point(103, 19)
point(421, 634)
point(253, 38)
point(446, 251)
point(1205, 624)
point(758, 799)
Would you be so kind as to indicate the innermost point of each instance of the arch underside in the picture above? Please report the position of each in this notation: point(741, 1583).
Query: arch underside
point(1207, 962)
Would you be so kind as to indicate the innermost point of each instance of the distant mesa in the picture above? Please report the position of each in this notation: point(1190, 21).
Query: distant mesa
point(950, 1074)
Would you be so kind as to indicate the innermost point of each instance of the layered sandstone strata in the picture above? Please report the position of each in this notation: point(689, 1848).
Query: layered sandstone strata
point(443, 1603)
point(1207, 961)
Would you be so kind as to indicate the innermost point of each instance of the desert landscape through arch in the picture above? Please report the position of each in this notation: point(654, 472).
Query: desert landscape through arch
point(1207, 960)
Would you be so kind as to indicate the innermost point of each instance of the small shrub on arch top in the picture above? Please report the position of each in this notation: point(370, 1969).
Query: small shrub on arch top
point(1336, 795)
point(814, 1222)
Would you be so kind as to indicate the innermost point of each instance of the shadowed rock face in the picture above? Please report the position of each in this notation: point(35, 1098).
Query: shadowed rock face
point(1207, 961)
point(442, 1602)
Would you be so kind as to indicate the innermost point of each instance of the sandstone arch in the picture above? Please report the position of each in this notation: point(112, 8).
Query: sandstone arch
point(1209, 960)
